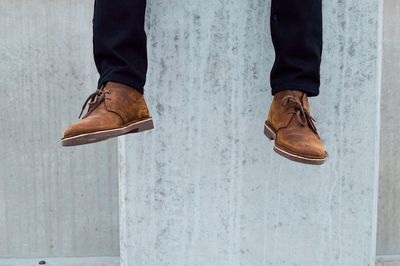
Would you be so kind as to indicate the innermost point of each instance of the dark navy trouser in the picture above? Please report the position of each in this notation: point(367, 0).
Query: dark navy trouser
point(296, 29)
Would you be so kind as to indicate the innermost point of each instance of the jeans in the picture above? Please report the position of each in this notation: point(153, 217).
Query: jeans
point(296, 29)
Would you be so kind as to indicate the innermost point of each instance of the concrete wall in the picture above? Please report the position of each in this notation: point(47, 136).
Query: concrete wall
point(63, 202)
point(53, 201)
point(205, 188)
point(389, 214)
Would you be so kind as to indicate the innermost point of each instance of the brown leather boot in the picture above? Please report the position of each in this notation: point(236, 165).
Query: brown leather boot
point(292, 127)
point(114, 110)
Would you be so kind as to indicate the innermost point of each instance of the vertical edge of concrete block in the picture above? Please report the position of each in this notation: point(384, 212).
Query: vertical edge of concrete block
point(378, 112)
point(122, 175)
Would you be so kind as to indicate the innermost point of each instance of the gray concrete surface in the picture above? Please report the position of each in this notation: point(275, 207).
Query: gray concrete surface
point(53, 201)
point(57, 202)
point(388, 260)
point(388, 263)
point(389, 196)
point(205, 187)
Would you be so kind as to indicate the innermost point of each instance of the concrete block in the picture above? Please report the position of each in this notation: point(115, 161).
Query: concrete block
point(53, 201)
point(205, 187)
point(389, 185)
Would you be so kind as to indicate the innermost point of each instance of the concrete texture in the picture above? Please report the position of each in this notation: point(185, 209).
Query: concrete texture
point(389, 196)
point(388, 261)
point(53, 201)
point(205, 187)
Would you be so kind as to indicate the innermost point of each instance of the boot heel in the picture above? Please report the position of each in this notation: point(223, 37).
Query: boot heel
point(143, 126)
point(146, 125)
point(269, 133)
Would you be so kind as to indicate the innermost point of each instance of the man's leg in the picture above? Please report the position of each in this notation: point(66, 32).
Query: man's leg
point(296, 29)
point(120, 42)
point(118, 106)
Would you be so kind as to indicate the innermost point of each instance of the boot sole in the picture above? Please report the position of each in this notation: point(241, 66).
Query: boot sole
point(107, 134)
point(271, 135)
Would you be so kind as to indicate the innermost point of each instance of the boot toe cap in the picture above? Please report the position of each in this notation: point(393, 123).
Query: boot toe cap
point(76, 129)
point(309, 147)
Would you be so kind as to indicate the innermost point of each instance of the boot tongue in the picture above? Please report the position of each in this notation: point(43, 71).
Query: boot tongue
point(300, 95)
point(112, 84)
point(295, 93)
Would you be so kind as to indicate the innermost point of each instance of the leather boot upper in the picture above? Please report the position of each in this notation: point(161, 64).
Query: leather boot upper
point(295, 129)
point(112, 106)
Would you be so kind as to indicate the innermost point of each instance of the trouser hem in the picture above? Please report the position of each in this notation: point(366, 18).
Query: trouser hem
point(312, 91)
point(126, 81)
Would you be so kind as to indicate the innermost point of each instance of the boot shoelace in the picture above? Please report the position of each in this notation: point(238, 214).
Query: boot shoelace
point(303, 116)
point(93, 100)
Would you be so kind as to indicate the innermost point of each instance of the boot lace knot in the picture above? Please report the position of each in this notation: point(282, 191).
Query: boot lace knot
point(93, 101)
point(303, 116)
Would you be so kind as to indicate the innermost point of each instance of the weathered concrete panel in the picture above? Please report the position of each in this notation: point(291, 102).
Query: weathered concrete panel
point(205, 188)
point(53, 201)
point(389, 196)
